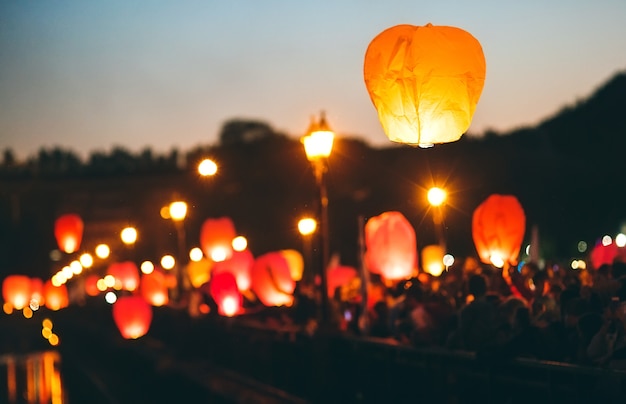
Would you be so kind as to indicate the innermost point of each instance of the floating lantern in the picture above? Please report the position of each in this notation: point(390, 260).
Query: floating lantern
point(126, 273)
point(295, 262)
point(425, 82)
point(68, 231)
point(391, 247)
point(16, 290)
point(240, 265)
point(604, 254)
point(199, 272)
point(91, 285)
point(55, 297)
point(432, 259)
point(339, 276)
point(498, 227)
point(153, 288)
point(271, 280)
point(223, 289)
point(132, 315)
point(216, 238)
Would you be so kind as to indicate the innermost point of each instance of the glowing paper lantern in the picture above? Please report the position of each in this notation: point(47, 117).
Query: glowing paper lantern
point(36, 290)
point(295, 262)
point(240, 265)
point(340, 276)
point(91, 285)
point(425, 82)
point(55, 297)
point(432, 259)
point(68, 230)
point(498, 227)
point(132, 315)
point(16, 290)
point(271, 280)
point(153, 288)
point(199, 272)
point(604, 254)
point(224, 291)
point(216, 237)
point(126, 273)
point(391, 246)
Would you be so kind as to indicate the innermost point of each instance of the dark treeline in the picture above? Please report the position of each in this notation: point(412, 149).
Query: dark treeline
point(566, 171)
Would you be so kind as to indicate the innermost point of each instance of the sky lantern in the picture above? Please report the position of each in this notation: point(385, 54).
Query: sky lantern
point(199, 272)
point(338, 276)
point(425, 82)
point(603, 253)
point(271, 280)
point(391, 247)
point(498, 227)
point(432, 259)
point(223, 289)
point(295, 262)
point(132, 315)
point(91, 285)
point(216, 238)
point(153, 288)
point(36, 290)
point(55, 297)
point(240, 265)
point(126, 273)
point(16, 290)
point(68, 231)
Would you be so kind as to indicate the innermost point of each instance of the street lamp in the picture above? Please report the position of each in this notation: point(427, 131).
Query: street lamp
point(207, 167)
point(306, 227)
point(318, 144)
point(437, 197)
point(178, 212)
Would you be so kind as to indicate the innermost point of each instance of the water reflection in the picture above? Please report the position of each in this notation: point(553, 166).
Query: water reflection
point(32, 378)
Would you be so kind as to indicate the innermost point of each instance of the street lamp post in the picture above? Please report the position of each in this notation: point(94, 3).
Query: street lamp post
point(306, 227)
point(437, 197)
point(318, 144)
point(178, 212)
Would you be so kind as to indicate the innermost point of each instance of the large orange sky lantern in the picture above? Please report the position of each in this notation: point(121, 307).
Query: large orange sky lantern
point(498, 227)
point(223, 289)
point(68, 231)
point(132, 315)
point(271, 280)
point(216, 238)
point(55, 297)
point(425, 82)
point(16, 290)
point(391, 246)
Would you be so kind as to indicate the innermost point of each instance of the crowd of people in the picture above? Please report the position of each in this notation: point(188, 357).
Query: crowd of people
point(552, 313)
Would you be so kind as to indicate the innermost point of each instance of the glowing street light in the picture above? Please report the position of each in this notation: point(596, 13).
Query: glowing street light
point(437, 197)
point(178, 212)
point(207, 168)
point(129, 235)
point(318, 144)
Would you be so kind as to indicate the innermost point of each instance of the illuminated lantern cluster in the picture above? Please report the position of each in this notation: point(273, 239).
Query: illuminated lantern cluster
point(425, 82)
point(55, 297)
point(216, 237)
point(16, 290)
point(153, 288)
point(126, 273)
point(240, 265)
point(132, 316)
point(68, 231)
point(271, 280)
point(498, 227)
point(391, 247)
point(223, 289)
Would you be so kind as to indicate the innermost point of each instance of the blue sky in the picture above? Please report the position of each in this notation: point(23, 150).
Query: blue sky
point(89, 75)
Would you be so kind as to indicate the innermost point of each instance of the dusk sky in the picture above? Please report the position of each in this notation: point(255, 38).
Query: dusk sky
point(88, 75)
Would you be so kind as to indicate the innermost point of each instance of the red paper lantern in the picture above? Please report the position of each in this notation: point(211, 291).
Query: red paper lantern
point(240, 265)
point(425, 82)
point(216, 238)
point(604, 254)
point(36, 290)
point(340, 276)
point(16, 290)
point(132, 315)
point(153, 288)
point(55, 297)
point(271, 280)
point(91, 285)
point(68, 230)
point(391, 246)
point(223, 289)
point(498, 227)
point(126, 273)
